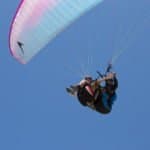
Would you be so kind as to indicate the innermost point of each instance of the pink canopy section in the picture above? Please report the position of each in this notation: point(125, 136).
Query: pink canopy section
point(37, 22)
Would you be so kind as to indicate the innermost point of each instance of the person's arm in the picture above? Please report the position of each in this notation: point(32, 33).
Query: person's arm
point(89, 89)
point(109, 76)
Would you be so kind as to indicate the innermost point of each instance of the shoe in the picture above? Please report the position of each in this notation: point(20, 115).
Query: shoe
point(70, 91)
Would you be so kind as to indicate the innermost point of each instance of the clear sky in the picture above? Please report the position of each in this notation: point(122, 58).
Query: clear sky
point(36, 113)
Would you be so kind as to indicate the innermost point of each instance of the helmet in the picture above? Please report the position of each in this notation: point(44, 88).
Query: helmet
point(88, 78)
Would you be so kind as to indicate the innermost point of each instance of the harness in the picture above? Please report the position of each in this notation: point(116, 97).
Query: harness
point(95, 102)
point(102, 101)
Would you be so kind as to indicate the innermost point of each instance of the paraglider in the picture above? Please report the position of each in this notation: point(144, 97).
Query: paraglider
point(37, 22)
point(91, 93)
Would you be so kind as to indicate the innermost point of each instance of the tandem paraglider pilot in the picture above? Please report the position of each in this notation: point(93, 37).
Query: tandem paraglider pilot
point(98, 94)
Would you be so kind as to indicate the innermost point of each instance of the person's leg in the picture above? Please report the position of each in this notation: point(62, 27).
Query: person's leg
point(73, 89)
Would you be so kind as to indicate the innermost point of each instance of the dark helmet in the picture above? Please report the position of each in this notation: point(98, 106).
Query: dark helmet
point(88, 78)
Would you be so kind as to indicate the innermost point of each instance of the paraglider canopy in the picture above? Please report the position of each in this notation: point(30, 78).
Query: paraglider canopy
point(37, 22)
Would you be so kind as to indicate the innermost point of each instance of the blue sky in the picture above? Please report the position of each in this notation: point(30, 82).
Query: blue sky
point(37, 113)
